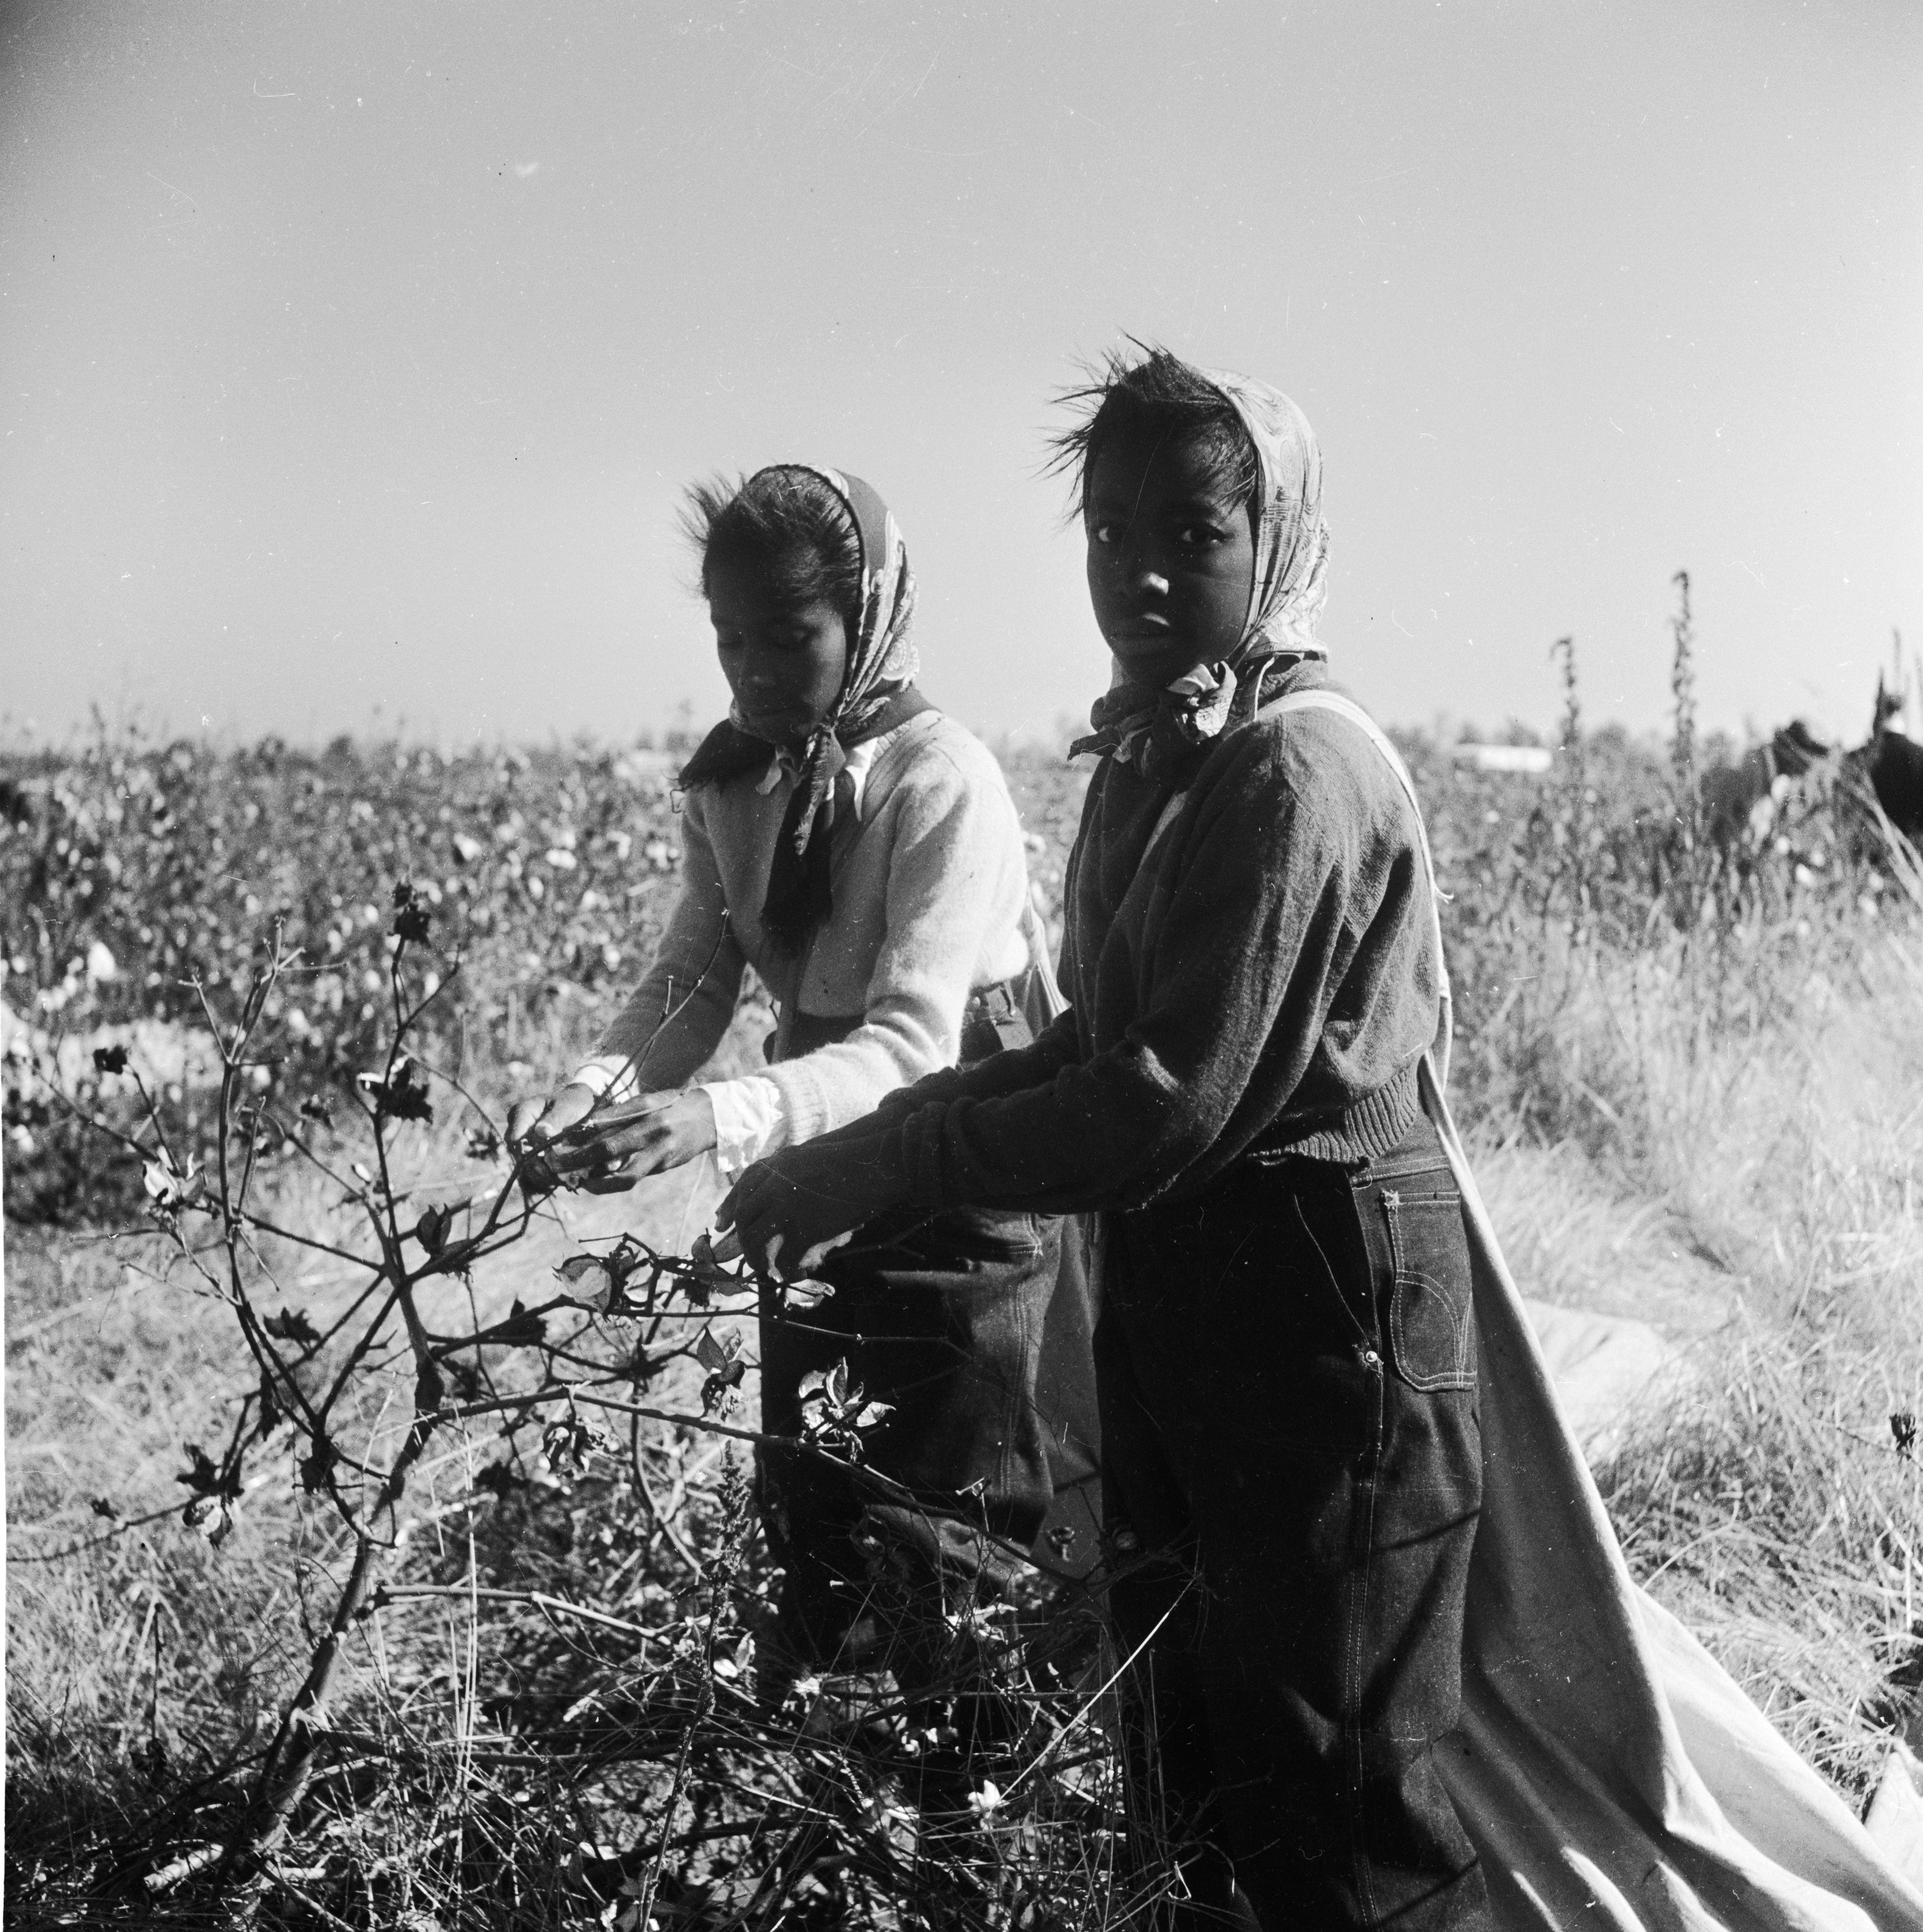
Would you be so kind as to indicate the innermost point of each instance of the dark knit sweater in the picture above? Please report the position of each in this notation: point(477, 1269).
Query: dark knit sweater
point(1262, 983)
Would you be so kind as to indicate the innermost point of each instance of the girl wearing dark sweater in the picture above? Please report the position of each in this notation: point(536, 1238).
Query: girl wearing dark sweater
point(1286, 1354)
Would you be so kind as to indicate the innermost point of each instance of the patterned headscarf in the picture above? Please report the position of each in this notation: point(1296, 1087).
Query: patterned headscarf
point(1169, 729)
point(878, 693)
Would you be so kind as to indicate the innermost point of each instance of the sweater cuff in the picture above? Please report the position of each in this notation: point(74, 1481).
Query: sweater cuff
point(803, 1102)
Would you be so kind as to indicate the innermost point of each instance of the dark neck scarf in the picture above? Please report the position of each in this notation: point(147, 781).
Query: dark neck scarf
point(877, 695)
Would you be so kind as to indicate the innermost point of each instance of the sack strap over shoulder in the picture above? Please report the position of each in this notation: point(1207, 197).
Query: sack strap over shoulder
point(1347, 707)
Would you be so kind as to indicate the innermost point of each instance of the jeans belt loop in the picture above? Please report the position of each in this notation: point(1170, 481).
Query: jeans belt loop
point(993, 1012)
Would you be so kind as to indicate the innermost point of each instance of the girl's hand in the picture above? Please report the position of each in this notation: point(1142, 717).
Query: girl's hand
point(802, 1198)
point(539, 1120)
point(642, 1137)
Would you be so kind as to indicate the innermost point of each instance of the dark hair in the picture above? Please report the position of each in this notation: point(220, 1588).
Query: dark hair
point(1160, 395)
point(786, 521)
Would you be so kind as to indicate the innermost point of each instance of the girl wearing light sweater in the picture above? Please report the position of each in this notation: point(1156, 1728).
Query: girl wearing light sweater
point(859, 850)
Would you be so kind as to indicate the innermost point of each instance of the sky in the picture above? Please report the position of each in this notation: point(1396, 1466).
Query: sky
point(354, 356)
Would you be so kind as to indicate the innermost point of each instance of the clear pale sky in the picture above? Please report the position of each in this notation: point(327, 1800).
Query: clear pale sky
point(353, 355)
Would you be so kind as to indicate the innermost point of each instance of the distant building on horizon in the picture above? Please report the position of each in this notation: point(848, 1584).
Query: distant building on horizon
point(1531, 760)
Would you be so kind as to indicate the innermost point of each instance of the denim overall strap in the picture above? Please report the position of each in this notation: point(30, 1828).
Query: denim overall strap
point(1346, 707)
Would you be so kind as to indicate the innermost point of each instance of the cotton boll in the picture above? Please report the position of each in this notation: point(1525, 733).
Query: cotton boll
point(821, 1250)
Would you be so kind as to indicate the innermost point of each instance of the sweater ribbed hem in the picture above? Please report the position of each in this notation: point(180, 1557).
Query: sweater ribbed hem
point(913, 1148)
point(1375, 1125)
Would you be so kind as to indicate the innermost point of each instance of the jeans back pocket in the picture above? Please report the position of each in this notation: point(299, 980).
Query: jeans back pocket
point(1432, 1309)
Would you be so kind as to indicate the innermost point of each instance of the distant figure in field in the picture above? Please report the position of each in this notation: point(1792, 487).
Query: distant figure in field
point(1742, 803)
point(1893, 763)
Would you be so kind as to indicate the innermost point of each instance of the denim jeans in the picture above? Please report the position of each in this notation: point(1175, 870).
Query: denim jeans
point(945, 1317)
point(942, 1318)
point(1288, 1371)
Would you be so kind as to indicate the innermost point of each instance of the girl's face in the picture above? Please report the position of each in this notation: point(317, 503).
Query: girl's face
point(1171, 556)
point(784, 661)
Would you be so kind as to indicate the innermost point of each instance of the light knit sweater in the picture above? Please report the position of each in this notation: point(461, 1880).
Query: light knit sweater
point(931, 892)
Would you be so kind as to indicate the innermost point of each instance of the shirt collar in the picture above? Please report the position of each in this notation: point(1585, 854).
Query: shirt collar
point(785, 768)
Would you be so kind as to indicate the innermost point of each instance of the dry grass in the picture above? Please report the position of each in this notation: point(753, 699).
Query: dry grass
point(1757, 1191)
point(1720, 1136)
point(547, 1718)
